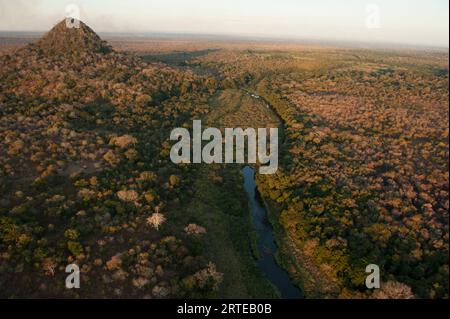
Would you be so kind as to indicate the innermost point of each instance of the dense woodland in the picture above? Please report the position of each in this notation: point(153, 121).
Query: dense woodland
point(365, 165)
point(86, 178)
point(85, 175)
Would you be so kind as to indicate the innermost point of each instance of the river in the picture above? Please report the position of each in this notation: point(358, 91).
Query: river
point(266, 241)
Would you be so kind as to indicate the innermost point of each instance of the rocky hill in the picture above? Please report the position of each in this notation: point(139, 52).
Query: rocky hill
point(66, 39)
point(83, 171)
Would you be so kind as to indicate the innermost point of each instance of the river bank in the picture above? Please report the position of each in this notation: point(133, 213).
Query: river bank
point(267, 247)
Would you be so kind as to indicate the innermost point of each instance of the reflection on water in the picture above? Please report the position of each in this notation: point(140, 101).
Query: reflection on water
point(266, 242)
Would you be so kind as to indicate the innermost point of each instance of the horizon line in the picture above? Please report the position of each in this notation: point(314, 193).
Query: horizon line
point(258, 37)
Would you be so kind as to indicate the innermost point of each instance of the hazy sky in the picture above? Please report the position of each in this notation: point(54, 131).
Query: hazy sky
point(424, 22)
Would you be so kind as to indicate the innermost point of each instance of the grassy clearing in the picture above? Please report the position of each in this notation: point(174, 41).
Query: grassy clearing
point(236, 108)
point(220, 205)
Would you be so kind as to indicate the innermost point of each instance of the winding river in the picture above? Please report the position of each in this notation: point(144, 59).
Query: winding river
point(266, 241)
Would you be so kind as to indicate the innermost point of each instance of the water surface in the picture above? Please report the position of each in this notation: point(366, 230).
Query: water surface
point(266, 241)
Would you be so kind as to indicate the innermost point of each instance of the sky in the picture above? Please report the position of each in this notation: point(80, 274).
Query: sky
point(415, 22)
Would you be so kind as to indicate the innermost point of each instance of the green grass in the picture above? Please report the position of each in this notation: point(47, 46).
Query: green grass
point(220, 204)
point(222, 208)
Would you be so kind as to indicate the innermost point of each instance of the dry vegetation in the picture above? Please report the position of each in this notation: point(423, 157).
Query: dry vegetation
point(85, 173)
point(84, 178)
point(365, 178)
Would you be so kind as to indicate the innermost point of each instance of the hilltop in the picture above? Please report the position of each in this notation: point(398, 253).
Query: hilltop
point(83, 170)
point(75, 64)
point(86, 176)
point(68, 38)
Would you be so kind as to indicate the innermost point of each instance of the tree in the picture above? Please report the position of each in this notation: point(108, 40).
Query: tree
point(394, 290)
point(156, 220)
